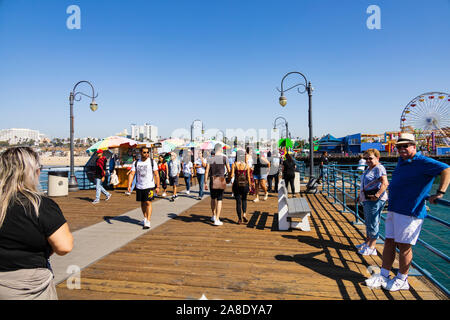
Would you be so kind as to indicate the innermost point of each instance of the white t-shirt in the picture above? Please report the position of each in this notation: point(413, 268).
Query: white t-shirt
point(187, 167)
point(144, 173)
point(200, 163)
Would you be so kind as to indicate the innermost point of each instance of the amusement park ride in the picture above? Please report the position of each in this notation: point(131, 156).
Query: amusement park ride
point(427, 116)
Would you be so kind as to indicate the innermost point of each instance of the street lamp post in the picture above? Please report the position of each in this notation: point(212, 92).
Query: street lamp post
point(223, 135)
point(283, 102)
point(76, 96)
point(192, 129)
point(285, 124)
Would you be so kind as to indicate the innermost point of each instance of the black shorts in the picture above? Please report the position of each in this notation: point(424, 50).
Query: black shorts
point(145, 194)
point(217, 194)
point(173, 181)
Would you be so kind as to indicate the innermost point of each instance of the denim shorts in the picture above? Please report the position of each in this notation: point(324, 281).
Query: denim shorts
point(260, 176)
point(372, 214)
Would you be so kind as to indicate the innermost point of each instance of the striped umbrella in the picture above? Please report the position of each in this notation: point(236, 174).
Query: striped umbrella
point(171, 144)
point(112, 142)
point(210, 144)
point(191, 144)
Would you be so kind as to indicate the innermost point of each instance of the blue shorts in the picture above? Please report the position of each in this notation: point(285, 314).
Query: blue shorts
point(260, 176)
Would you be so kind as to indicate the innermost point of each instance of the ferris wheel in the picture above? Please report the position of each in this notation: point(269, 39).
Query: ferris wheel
point(428, 114)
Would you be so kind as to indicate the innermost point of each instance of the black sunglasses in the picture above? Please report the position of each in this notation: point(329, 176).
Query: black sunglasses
point(369, 158)
point(402, 146)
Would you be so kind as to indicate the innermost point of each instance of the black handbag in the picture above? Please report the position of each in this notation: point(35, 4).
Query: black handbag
point(372, 192)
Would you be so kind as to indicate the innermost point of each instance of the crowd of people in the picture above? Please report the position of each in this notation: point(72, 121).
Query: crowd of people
point(32, 226)
point(248, 172)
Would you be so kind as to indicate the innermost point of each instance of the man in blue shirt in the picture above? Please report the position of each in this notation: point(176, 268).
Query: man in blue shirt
point(411, 182)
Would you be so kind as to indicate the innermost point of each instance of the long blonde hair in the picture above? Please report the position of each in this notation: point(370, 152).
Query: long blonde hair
point(19, 180)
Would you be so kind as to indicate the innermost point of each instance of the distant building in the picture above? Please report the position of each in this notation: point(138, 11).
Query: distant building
point(15, 136)
point(145, 132)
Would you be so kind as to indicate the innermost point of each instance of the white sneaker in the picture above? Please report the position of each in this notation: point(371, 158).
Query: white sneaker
point(397, 284)
point(266, 196)
point(164, 194)
point(377, 281)
point(256, 200)
point(213, 218)
point(368, 251)
point(95, 201)
point(127, 193)
point(218, 222)
point(108, 197)
point(188, 192)
point(147, 224)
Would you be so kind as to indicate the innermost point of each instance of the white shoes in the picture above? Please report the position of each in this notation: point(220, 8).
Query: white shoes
point(188, 192)
point(368, 251)
point(377, 281)
point(213, 218)
point(266, 196)
point(397, 284)
point(147, 224)
point(127, 193)
point(164, 194)
point(256, 200)
point(218, 222)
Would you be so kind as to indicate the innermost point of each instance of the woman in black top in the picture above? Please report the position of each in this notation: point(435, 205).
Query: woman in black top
point(32, 227)
point(289, 172)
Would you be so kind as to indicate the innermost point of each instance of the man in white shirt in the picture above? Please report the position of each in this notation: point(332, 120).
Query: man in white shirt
point(146, 171)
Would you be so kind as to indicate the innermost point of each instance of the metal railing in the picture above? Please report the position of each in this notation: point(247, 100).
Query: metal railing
point(342, 184)
point(83, 181)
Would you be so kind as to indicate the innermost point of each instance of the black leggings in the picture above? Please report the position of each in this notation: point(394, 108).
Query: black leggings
point(290, 180)
point(241, 200)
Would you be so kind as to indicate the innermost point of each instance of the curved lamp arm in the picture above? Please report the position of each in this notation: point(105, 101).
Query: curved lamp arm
point(275, 121)
point(81, 93)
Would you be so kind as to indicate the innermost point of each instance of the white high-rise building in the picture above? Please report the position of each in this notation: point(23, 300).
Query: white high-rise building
point(14, 135)
point(145, 132)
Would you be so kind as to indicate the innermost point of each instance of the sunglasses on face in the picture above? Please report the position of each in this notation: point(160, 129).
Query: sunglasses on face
point(369, 158)
point(402, 146)
point(144, 152)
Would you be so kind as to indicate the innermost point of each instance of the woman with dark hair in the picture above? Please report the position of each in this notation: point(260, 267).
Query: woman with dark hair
point(32, 227)
point(163, 170)
point(241, 173)
point(289, 172)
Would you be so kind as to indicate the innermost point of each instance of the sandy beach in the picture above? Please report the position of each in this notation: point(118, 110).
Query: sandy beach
point(63, 161)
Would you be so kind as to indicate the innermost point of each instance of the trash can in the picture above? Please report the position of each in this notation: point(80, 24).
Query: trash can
point(58, 183)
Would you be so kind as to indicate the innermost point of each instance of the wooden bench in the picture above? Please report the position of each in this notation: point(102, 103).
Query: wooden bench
point(292, 208)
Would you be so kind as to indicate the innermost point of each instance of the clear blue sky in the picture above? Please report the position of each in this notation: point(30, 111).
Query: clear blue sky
point(170, 62)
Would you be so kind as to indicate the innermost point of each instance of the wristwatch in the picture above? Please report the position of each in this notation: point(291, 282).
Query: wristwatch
point(440, 192)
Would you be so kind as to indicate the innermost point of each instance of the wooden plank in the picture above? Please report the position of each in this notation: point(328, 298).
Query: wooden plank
point(188, 257)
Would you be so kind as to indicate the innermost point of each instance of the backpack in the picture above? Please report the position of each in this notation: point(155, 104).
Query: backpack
point(241, 178)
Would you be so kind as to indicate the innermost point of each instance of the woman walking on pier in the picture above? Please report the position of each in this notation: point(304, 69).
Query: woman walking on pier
point(372, 194)
point(163, 170)
point(241, 173)
point(215, 169)
point(32, 228)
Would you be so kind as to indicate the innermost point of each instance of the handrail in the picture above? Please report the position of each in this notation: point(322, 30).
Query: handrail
point(339, 179)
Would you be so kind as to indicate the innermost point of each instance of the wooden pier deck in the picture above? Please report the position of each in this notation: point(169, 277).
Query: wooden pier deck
point(189, 258)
